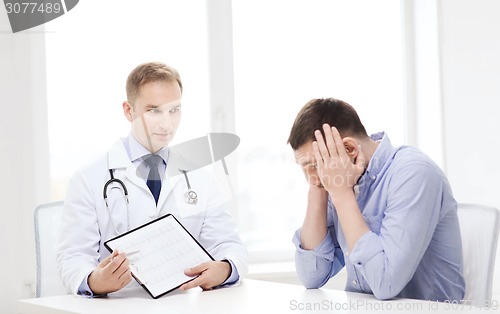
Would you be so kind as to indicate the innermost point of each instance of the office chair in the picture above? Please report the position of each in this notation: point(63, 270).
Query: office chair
point(47, 218)
point(479, 227)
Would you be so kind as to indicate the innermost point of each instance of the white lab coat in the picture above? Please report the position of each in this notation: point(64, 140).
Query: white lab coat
point(86, 221)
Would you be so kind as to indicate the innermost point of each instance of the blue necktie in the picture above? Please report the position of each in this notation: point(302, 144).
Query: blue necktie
point(154, 179)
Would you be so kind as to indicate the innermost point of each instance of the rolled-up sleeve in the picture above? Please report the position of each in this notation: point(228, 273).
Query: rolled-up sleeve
point(315, 267)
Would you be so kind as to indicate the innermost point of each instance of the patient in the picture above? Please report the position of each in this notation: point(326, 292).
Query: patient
point(385, 213)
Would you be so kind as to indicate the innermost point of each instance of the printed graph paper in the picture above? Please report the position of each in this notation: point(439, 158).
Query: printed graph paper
point(159, 252)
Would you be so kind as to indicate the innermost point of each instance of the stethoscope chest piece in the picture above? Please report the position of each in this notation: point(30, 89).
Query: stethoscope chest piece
point(191, 197)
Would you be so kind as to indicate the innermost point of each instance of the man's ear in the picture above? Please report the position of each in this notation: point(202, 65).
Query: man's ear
point(127, 110)
point(351, 147)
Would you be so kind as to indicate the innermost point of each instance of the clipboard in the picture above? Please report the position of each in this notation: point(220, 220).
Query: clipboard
point(159, 252)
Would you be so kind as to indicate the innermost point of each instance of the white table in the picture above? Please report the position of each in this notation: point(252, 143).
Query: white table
point(251, 296)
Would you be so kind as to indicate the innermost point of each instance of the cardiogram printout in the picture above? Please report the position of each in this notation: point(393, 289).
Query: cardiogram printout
point(159, 252)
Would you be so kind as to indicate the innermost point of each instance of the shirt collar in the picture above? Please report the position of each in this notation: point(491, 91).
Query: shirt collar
point(382, 153)
point(137, 151)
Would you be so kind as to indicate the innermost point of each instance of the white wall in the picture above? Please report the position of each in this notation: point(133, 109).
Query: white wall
point(24, 157)
point(470, 69)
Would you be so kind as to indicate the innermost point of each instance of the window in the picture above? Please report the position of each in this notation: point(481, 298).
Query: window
point(91, 50)
point(286, 53)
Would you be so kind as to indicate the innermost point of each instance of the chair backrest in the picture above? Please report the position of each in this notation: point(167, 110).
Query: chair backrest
point(479, 227)
point(47, 218)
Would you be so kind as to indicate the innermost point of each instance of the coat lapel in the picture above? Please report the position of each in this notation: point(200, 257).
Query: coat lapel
point(118, 159)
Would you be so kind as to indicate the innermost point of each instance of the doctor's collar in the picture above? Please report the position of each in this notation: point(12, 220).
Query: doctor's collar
point(137, 151)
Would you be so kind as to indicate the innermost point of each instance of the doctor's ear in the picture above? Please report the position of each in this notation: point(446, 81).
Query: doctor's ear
point(127, 110)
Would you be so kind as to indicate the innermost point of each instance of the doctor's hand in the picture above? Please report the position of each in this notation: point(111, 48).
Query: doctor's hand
point(112, 274)
point(210, 274)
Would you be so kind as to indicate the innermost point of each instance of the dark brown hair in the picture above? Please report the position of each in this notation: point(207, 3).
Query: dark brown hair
point(149, 72)
point(320, 111)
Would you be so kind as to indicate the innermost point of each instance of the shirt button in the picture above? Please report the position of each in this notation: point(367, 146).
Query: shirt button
point(354, 282)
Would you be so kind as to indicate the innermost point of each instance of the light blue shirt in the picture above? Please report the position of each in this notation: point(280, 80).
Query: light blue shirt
point(413, 249)
point(136, 152)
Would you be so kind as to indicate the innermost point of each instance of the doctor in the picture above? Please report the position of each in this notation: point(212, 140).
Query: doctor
point(139, 191)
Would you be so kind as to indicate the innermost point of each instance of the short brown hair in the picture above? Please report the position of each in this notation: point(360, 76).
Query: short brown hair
point(320, 111)
point(149, 72)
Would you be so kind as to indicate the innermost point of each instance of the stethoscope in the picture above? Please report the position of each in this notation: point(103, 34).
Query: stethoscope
point(125, 194)
point(190, 197)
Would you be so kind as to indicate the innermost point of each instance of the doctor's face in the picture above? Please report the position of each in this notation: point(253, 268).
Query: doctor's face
point(155, 114)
